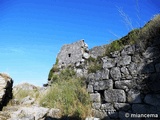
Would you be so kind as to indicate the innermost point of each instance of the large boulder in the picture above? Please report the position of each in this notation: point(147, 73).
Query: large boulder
point(6, 83)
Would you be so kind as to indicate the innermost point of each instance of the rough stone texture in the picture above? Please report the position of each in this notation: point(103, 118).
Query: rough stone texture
point(115, 54)
point(125, 84)
point(97, 51)
point(26, 113)
point(5, 89)
point(96, 106)
point(72, 53)
point(90, 88)
point(27, 100)
point(128, 50)
point(124, 60)
point(108, 62)
point(103, 85)
point(115, 73)
point(115, 95)
point(107, 107)
point(95, 97)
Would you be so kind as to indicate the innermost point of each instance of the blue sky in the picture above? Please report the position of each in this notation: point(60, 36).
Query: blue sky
point(33, 31)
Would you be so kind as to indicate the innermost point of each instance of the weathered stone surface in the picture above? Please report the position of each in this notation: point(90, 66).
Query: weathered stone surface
point(157, 66)
point(115, 95)
point(105, 74)
point(133, 68)
point(108, 62)
point(95, 97)
point(151, 52)
point(103, 85)
point(125, 84)
point(97, 51)
point(27, 100)
point(136, 58)
point(115, 73)
point(122, 106)
point(113, 115)
point(107, 107)
point(115, 54)
point(128, 50)
point(90, 88)
point(85, 55)
point(91, 78)
point(5, 89)
point(152, 99)
point(124, 60)
point(134, 96)
point(96, 106)
point(124, 70)
point(25, 113)
point(72, 53)
point(98, 75)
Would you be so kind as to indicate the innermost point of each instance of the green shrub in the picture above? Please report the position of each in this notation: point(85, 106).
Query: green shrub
point(69, 94)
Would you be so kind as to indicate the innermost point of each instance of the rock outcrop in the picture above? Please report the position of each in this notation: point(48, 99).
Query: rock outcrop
point(5, 89)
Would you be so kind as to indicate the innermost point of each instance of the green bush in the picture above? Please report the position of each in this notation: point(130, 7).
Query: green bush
point(69, 94)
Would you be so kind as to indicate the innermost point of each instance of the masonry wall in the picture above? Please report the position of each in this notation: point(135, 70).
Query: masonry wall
point(128, 83)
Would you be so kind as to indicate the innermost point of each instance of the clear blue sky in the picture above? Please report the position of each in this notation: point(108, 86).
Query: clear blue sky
point(33, 31)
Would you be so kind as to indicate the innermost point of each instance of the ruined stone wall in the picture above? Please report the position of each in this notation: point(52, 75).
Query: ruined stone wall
point(128, 83)
point(73, 53)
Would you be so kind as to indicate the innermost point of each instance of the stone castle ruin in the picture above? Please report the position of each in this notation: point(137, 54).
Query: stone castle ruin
point(128, 82)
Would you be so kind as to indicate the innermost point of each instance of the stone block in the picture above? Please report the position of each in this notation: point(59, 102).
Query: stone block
point(108, 62)
point(115, 95)
point(124, 84)
point(90, 88)
point(107, 107)
point(124, 60)
point(105, 74)
point(96, 106)
point(95, 97)
point(115, 73)
point(103, 85)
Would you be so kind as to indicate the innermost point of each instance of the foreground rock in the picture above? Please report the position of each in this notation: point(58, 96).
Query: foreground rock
point(5, 89)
